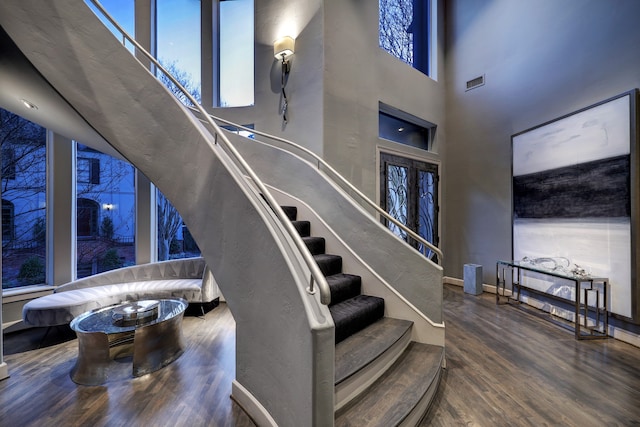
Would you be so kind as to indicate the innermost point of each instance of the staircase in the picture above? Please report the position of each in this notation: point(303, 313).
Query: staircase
point(382, 378)
point(123, 102)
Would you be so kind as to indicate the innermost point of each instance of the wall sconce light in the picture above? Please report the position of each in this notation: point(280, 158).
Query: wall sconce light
point(283, 48)
point(107, 206)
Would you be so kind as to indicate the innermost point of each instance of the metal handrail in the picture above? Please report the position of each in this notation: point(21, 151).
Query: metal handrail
point(316, 274)
point(321, 162)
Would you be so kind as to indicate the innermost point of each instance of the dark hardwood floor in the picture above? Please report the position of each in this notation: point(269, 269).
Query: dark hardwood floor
point(192, 391)
point(504, 368)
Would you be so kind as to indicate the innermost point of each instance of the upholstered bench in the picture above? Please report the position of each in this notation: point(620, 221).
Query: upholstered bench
point(187, 278)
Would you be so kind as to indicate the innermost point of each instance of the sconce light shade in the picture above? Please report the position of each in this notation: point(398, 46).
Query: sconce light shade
point(283, 48)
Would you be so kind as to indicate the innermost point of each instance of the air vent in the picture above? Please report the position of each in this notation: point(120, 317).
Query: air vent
point(474, 83)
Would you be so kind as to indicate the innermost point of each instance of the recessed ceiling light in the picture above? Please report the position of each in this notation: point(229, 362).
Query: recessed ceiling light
point(29, 105)
point(400, 129)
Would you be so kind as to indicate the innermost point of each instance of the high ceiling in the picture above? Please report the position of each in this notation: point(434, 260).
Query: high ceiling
point(19, 81)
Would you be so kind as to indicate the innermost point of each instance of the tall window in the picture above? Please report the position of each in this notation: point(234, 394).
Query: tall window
point(179, 50)
point(235, 43)
point(105, 212)
point(23, 201)
point(404, 31)
point(178, 43)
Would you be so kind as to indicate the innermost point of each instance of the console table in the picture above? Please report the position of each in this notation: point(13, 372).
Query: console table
point(584, 284)
point(151, 328)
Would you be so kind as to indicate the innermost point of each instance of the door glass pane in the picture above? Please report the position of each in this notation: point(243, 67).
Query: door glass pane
point(397, 197)
point(23, 201)
point(105, 212)
point(426, 206)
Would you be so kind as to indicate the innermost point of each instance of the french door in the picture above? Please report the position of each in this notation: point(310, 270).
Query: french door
point(409, 193)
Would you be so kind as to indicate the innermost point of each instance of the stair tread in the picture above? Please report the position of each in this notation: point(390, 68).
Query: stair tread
point(355, 314)
point(322, 257)
point(361, 348)
point(394, 395)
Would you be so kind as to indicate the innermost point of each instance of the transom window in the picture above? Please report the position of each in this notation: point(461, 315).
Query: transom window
point(404, 128)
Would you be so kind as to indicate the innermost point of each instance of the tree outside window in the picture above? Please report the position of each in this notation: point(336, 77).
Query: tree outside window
point(23, 200)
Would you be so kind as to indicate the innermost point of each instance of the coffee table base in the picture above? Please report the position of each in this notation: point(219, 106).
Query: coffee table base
point(154, 346)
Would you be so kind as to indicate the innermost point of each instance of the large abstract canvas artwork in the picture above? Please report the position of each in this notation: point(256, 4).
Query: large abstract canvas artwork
point(572, 195)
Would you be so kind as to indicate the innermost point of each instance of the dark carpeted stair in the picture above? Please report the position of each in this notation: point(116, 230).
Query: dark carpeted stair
point(351, 311)
point(382, 378)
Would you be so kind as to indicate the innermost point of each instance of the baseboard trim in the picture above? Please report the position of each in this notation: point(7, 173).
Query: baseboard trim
point(251, 406)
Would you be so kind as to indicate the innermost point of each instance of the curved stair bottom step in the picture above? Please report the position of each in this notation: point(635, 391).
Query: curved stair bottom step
point(365, 356)
point(400, 397)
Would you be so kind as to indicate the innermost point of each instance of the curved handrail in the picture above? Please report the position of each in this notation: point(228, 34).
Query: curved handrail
point(316, 273)
point(321, 162)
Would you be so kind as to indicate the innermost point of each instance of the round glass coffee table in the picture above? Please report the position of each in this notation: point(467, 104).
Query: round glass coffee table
point(151, 330)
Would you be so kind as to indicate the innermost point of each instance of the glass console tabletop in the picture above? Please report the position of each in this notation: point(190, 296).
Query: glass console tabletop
point(552, 268)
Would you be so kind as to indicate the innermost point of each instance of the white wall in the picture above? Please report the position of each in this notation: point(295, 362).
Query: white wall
point(541, 60)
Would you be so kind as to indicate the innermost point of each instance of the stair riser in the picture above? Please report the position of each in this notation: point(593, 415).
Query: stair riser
point(343, 287)
point(356, 314)
point(303, 228)
point(316, 245)
point(330, 266)
point(291, 212)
